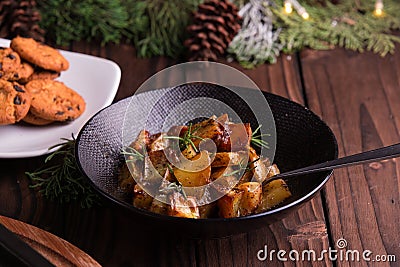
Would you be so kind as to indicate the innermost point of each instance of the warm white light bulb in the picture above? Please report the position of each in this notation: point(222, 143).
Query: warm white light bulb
point(288, 7)
point(300, 9)
point(305, 15)
point(378, 8)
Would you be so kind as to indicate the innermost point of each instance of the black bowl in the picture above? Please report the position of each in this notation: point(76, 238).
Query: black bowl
point(302, 139)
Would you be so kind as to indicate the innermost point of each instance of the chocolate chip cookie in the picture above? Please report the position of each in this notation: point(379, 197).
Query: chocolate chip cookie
point(9, 64)
point(24, 71)
point(14, 102)
point(35, 120)
point(53, 100)
point(39, 73)
point(39, 54)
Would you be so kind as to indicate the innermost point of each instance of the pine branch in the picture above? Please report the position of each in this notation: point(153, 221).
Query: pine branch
point(167, 27)
point(344, 25)
point(74, 20)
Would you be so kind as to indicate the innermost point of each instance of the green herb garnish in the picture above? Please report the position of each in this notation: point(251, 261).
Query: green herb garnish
point(175, 186)
point(60, 180)
point(186, 140)
point(256, 138)
point(133, 154)
point(170, 169)
point(242, 167)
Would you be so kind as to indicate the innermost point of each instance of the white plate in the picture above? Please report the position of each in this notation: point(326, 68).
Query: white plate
point(95, 79)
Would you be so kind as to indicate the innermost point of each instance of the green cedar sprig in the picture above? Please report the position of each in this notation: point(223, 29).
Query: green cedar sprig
point(60, 179)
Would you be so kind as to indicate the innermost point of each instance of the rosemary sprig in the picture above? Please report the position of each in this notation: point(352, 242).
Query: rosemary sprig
point(133, 154)
point(243, 167)
point(60, 179)
point(186, 139)
point(170, 169)
point(175, 186)
point(256, 138)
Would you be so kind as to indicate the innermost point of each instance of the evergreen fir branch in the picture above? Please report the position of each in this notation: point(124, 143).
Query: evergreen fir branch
point(74, 20)
point(138, 21)
point(344, 25)
point(382, 43)
point(158, 27)
point(60, 179)
point(167, 27)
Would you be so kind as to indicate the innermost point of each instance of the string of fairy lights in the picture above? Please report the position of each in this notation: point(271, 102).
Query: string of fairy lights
point(290, 4)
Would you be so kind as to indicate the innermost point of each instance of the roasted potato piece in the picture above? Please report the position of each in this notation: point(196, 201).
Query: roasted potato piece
point(222, 179)
point(189, 152)
point(273, 193)
point(157, 142)
point(220, 172)
point(141, 199)
point(125, 179)
point(169, 176)
point(223, 119)
point(183, 207)
point(189, 178)
point(208, 210)
point(130, 171)
point(251, 197)
point(260, 166)
point(247, 176)
point(177, 130)
point(141, 141)
point(223, 159)
point(261, 169)
point(209, 128)
point(273, 170)
point(229, 204)
point(236, 137)
point(159, 207)
point(155, 165)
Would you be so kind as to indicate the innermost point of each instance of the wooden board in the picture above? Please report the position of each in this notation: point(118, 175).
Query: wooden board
point(58, 251)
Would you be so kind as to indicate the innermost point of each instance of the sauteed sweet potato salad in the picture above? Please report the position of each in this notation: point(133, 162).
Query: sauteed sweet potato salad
point(204, 170)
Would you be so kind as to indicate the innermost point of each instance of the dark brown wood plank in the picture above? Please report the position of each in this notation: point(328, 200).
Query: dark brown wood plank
point(358, 96)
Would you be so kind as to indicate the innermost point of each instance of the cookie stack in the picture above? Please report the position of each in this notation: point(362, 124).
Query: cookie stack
point(28, 90)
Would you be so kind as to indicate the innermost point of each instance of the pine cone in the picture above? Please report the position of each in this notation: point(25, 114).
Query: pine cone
point(20, 18)
point(6, 7)
point(215, 24)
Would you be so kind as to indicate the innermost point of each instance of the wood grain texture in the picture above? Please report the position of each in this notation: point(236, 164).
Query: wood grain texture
point(113, 238)
point(358, 96)
point(303, 230)
point(58, 251)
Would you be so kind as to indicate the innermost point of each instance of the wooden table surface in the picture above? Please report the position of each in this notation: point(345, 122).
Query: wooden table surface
point(358, 95)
